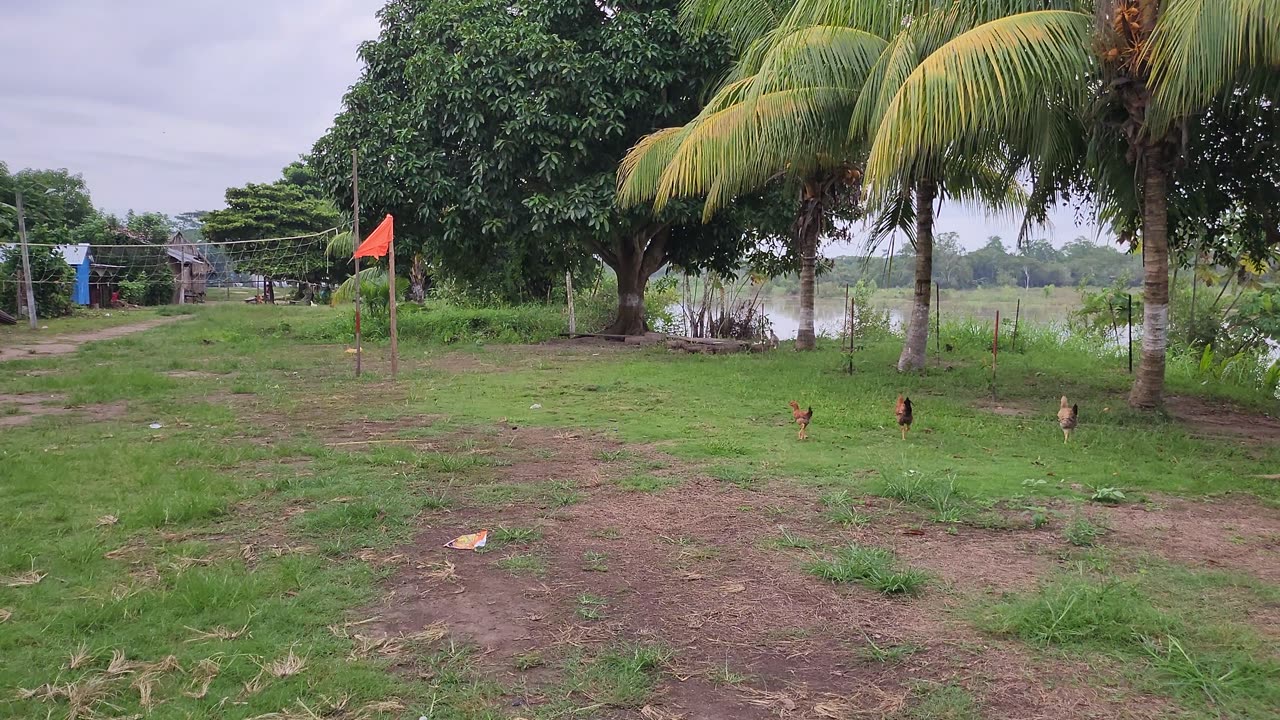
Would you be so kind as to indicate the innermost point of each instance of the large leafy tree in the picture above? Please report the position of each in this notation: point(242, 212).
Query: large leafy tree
point(270, 211)
point(492, 129)
point(54, 202)
point(1110, 81)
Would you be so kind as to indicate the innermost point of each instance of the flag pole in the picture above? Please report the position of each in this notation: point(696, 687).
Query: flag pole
point(391, 285)
point(355, 242)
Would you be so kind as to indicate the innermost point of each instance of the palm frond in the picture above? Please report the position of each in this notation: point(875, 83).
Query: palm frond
point(641, 170)
point(346, 292)
point(1200, 46)
point(743, 22)
point(740, 148)
point(976, 88)
point(340, 246)
point(896, 215)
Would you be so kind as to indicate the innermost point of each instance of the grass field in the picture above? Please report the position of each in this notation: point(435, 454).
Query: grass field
point(214, 519)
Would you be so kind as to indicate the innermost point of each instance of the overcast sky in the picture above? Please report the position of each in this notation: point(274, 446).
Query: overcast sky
point(162, 105)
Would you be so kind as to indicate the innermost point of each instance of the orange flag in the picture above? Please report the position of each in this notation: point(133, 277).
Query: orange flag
point(379, 240)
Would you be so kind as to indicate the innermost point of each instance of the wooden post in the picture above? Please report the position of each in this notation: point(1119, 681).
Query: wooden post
point(568, 291)
point(391, 290)
point(1017, 315)
point(26, 264)
point(355, 243)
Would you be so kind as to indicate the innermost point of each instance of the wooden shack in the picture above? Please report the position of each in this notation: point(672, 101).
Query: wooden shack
point(190, 270)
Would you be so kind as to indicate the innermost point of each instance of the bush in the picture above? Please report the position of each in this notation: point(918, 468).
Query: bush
point(147, 288)
point(436, 322)
point(53, 281)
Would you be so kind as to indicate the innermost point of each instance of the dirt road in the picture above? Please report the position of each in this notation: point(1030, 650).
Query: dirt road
point(65, 344)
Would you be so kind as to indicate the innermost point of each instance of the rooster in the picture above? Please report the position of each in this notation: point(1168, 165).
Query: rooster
point(802, 419)
point(1068, 418)
point(903, 413)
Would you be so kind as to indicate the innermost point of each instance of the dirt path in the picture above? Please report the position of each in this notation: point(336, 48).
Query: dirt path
point(66, 344)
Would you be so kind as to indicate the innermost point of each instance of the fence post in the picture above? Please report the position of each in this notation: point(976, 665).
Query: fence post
point(26, 263)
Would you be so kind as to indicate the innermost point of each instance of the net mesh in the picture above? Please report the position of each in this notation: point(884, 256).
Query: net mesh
point(176, 270)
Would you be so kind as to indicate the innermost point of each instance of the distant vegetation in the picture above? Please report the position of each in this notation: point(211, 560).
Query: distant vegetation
point(1037, 264)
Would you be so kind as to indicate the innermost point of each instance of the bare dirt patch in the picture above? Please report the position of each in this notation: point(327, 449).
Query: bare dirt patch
point(1011, 409)
point(1211, 419)
point(22, 408)
point(697, 567)
point(66, 344)
point(1232, 533)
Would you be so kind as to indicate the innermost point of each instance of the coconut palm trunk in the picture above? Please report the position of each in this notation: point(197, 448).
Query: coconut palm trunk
point(808, 228)
point(1148, 388)
point(917, 343)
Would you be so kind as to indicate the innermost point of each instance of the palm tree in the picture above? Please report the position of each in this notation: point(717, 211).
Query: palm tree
point(747, 136)
point(811, 87)
point(1124, 73)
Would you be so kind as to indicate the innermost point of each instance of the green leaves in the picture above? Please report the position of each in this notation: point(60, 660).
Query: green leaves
point(506, 122)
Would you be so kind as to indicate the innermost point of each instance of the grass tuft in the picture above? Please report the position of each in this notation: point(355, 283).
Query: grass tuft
point(872, 567)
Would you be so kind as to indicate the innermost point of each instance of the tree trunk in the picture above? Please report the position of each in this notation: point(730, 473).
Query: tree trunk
point(808, 228)
point(916, 346)
point(417, 279)
point(1148, 388)
point(269, 291)
point(634, 258)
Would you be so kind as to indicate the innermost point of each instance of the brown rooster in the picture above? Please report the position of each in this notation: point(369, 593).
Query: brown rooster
point(802, 418)
point(1068, 418)
point(903, 413)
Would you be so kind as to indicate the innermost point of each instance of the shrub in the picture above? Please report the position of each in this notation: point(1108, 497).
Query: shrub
point(53, 281)
point(436, 322)
point(147, 288)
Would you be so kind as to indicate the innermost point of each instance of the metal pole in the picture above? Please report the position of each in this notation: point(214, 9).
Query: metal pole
point(1130, 333)
point(26, 263)
point(355, 242)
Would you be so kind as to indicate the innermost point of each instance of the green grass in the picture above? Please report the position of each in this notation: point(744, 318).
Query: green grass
point(1083, 532)
point(247, 456)
point(940, 702)
point(621, 676)
point(873, 567)
point(524, 563)
point(1173, 640)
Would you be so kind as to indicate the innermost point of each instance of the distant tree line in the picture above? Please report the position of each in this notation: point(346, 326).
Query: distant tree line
point(1036, 264)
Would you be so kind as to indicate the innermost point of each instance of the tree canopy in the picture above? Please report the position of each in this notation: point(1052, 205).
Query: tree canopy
point(492, 131)
point(283, 209)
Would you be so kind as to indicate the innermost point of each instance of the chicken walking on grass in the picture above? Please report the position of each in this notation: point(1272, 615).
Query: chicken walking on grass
point(1068, 418)
point(802, 418)
point(903, 413)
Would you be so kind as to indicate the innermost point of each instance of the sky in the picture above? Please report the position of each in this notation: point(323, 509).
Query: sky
point(162, 105)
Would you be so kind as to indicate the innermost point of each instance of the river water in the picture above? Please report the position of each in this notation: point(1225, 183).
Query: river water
point(828, 313)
